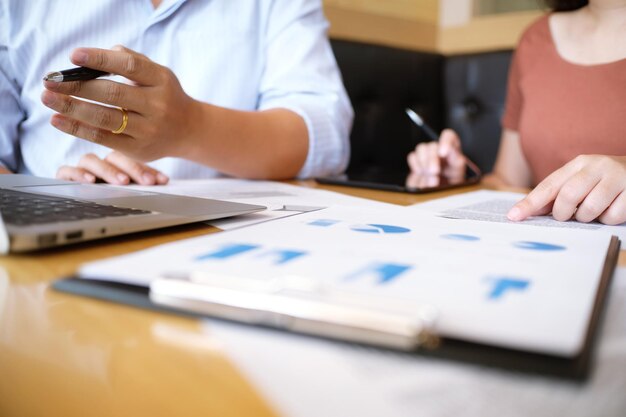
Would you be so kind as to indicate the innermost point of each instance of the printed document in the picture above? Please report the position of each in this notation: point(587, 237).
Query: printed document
point(492, 206)
point(515, 286)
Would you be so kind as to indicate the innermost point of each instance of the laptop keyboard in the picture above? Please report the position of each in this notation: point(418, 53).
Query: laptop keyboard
point(22, 209)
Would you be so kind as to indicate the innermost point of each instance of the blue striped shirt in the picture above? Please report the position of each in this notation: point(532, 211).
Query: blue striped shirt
point(239, 54)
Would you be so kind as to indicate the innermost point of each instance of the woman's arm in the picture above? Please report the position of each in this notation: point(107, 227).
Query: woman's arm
point(511, 167)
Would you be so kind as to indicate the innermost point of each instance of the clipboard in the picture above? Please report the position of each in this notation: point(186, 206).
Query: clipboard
point(180, 297)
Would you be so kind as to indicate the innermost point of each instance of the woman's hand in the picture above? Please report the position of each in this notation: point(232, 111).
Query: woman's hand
point(116, 168)
point(444, 157)
point(160, 114)
point(587, 188)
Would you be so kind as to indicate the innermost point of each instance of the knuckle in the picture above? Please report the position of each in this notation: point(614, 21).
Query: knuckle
point(96, 136)
point(114, 93)
point(160, 109)
point(132, 65)
point(100, 60)
point(582, 159)
point(75, 88)
point(69, 106)
point(569, 194)
point(103, 118)
point(74, 128)
point(547, 187)
point(166, 74)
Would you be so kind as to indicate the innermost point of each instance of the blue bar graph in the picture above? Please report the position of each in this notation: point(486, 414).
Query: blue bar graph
point(323, 222)
point(539, 246)
point(283, 256)
point(382, 273)
point(379, 229)
point(461, 237)
point(227, 251)
point(505, 285)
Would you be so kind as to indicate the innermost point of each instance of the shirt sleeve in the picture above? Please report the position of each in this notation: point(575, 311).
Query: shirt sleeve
point(11, 113)
point(301, 75)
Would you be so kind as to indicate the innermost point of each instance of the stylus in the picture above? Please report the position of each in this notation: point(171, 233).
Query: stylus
point(421, 124)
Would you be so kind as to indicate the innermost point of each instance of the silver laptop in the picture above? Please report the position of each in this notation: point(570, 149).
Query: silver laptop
point(40, 213)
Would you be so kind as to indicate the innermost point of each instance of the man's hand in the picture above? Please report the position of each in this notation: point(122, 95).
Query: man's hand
point(116, 168)
point(587, 188)
point(160, 114)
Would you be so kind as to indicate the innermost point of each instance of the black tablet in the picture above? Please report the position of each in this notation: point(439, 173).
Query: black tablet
point(403, 181)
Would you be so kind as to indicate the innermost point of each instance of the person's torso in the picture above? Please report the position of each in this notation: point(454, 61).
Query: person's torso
point(568, 109)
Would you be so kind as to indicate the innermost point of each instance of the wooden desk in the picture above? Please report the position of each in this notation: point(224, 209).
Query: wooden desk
point(63, 355)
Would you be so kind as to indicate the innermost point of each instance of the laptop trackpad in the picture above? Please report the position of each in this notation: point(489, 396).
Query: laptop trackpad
point(84, 192)
point(183, 206)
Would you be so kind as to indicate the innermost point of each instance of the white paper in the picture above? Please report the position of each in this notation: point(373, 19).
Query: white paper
point(273, 195)
point(515, 286)
point(309, 377)
point(492, 206)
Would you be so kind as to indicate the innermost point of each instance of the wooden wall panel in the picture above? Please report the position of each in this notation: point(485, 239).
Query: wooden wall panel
point(382, 30)
point(425, 25)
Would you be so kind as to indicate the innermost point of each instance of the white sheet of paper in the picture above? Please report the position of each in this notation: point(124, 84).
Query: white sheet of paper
point(492, 206)
point(516, 286)
point(308, 377)
point(271, 194)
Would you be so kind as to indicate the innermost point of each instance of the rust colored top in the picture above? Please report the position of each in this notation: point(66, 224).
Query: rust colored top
point(561, 109)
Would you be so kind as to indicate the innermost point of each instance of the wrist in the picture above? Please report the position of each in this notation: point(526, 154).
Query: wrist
point(194, 131)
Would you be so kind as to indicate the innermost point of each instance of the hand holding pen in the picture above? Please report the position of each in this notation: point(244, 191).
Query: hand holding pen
point(146, 120)
point(442, 155)
point(142, 121)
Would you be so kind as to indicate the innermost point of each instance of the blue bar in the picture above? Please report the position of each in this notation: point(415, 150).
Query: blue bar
point(504, 285)
point(227, 251)
point(283, 256)
point(384, 273)
point(323, 222)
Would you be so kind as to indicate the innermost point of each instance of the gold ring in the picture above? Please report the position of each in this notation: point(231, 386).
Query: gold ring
point(122, 127)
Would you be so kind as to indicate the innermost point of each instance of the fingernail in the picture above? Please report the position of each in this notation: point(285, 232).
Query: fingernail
point(80, 57)
point(122, 178)
point(514, 214)
point(51, 85)
point(162, 178)
point(56, 122)
point(89, 178)
point(148, 178)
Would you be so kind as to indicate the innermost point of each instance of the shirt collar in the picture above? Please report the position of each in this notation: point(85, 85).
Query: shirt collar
point(165, 9)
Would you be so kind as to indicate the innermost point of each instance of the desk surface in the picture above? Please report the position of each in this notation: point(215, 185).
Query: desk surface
point(63, 355)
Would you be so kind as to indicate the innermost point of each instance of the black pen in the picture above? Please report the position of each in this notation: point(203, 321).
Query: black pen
point(74, 74)
point(419, 122)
